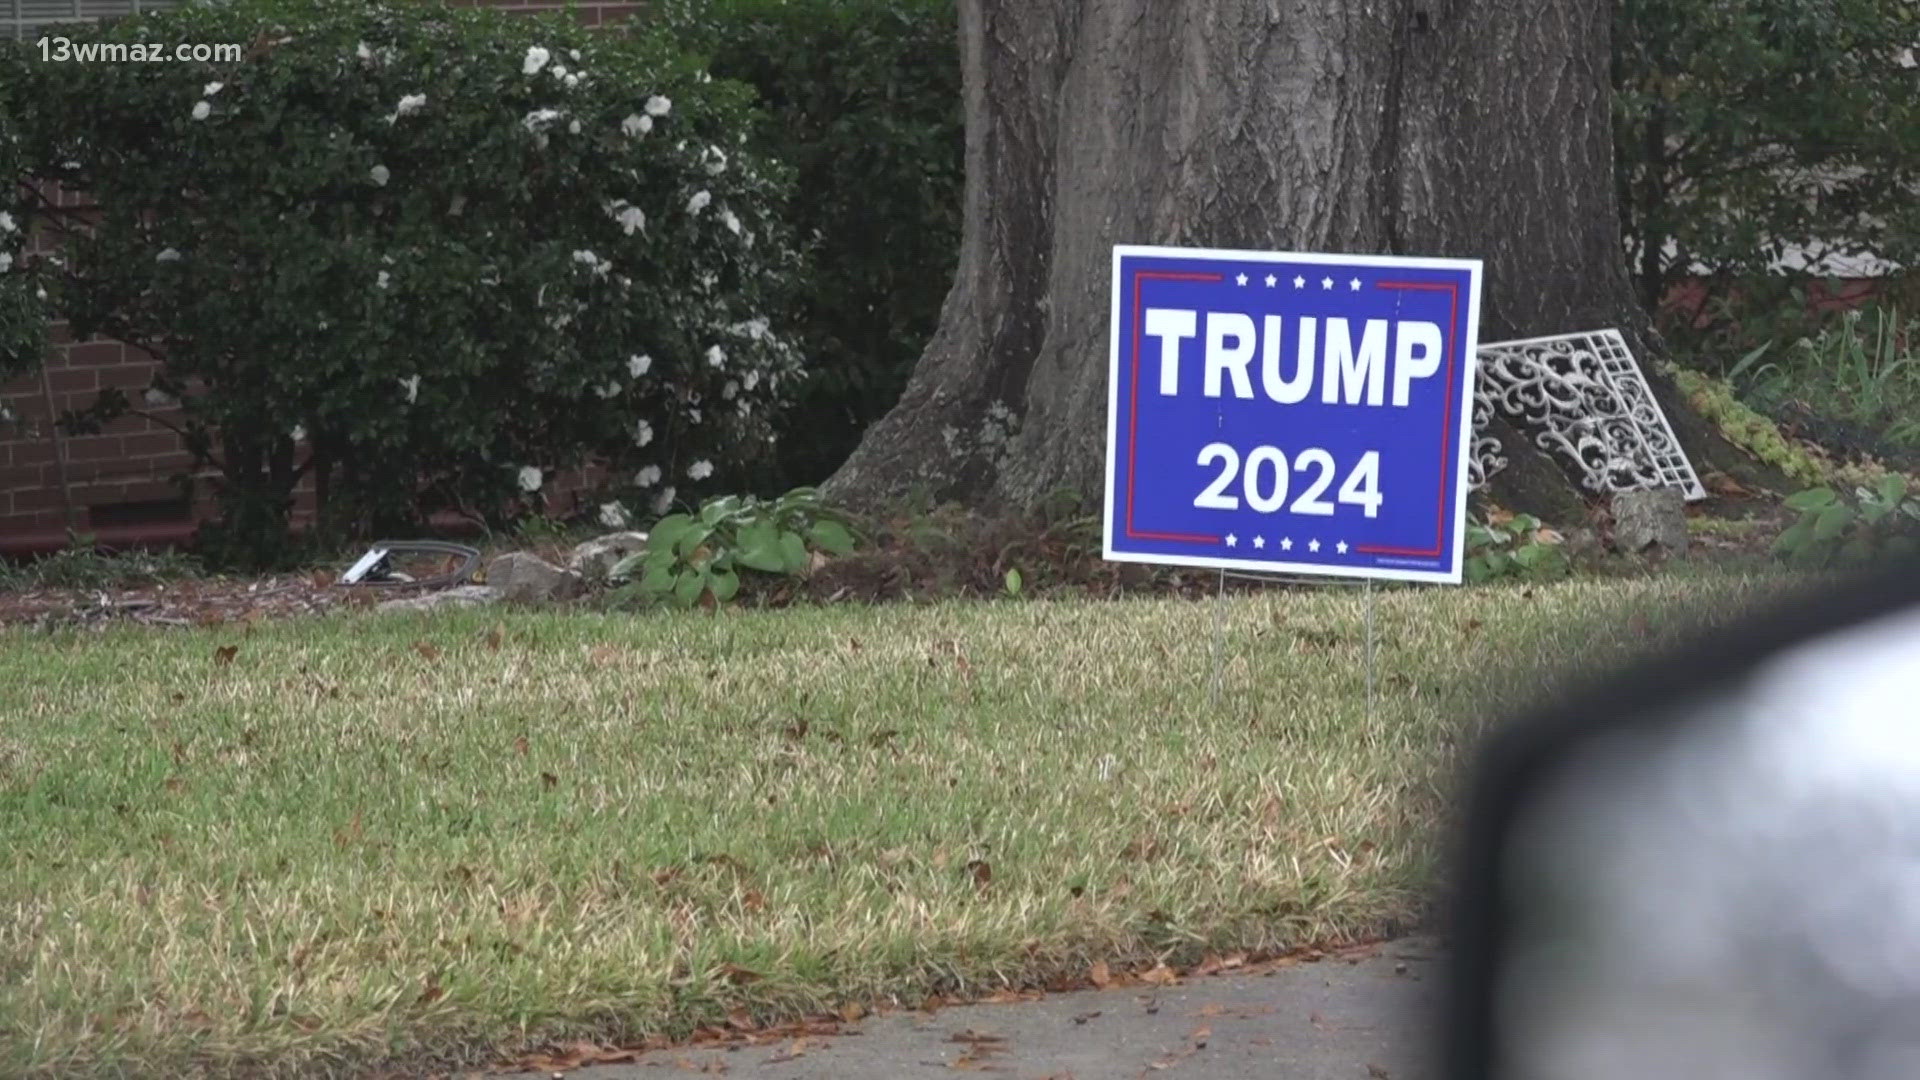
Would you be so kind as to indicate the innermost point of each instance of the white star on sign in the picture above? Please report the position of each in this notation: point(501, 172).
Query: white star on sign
point(1326, 283)
point(1299, 282)
point(1286, 543)
point(1232, 540)
point(1313, 545)
point(1242, 279)
point(1272, 281)
point(1355, 283)
point(1260, 541)
point(1341, 547)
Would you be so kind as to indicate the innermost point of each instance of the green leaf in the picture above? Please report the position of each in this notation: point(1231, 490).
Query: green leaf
point(719, 509)
point(667, 532)
point(657, 581)
point(1476, 569)
point(626, 567)
point(1833, 521)
point(1795, 538)
point(725, 585)
point(831, 537)
point(1013, 581)
point(690, 585)
point(1811, 499)
point(694, 536)
point(794, 551)
point(1893, 488)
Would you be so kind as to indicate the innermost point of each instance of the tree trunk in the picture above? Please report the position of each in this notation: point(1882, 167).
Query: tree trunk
point(1470, 128)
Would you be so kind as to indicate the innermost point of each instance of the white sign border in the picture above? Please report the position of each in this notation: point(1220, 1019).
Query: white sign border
point(1476, 269)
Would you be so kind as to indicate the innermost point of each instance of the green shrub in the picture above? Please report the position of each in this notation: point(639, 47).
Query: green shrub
point(1745, 126)
point(429, 254)
point(1876, 522)
point(693, 556)
point(22, 297)
point(863, 99)
point(1514, 547)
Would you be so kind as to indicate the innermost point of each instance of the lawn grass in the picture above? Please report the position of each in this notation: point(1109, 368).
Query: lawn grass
point(376, 839)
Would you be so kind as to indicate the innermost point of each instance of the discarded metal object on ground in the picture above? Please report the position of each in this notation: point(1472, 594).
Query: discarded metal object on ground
point(375, 568)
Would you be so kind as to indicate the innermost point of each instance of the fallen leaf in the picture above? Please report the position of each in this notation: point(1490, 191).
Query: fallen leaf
point(710, 1066)
point(427, 650)
point(798, 1048)
point(852, 1011)
point(1378, 1073)
point(604, 655)
point(1101, 976)
point(520, 745)
point(980, 870)
point(751, 900)
point(175, 785)
point(343, 837)
point(1473, 624)
point(494, 637)
point(1160, 975)
point(738, 975)
point(1200, 1035)
point(433, 992)
point(224, 655)
point(1084, 1017)
point(880, 737)
point(549, 779)
point(975, 1038)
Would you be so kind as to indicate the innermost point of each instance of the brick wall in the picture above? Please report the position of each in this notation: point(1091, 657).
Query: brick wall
point(119, 480)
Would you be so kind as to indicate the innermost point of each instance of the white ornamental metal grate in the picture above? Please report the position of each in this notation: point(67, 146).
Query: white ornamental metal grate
point(1584, 400)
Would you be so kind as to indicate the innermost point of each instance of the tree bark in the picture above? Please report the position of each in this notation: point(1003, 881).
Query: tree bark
point(1467, 128)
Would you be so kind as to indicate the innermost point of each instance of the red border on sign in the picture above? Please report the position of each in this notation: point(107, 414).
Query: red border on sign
point(1133, 402)
point(1446, 423)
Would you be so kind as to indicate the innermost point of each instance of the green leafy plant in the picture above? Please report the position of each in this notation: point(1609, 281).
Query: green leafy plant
point(425, 256)
point(1877, 521)
point(1514, 547)
point(84, 565)
point(1862, 369)
point(1013, 581)
point(693, 557)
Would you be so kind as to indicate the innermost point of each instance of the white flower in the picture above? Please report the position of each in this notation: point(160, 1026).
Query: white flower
point(631, 219)
point(458, 204)
point(612, 389)
point(717, 161)
point(727, 391)
point(638, 365)
point(298, 434)
point(573, 127)
point(699, 202)
point(168, 255)
point(381, 281)
point(731, 221)
point(647, 477)
point(613, 515)
point(717, 356)
point(693, 415)
point(409, 104)
point(658, 106)
point(6, 261)
point(538, 119)
point(412, 383)
point(380, 175)
point(587, 258)
point(752, 380)
point(537, 58)
point(559, 71)
point(642, 433)
point(700, 470)
point(574, 54)
point(212, 88)
point(663, 501)
point(636, 125)
point(6, 222)
point(363, 52)
point(529, 476)
point(201, 109)
point(157, 396)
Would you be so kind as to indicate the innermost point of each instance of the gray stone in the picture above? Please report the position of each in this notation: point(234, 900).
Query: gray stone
point(596, 559)
point(520, 576)
point(1656, 517)
point(465, 596)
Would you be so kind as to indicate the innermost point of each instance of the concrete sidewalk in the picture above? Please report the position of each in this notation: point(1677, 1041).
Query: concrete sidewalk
point(1353, 1019)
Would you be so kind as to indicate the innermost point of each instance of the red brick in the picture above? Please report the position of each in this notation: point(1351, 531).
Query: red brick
point(96, 353)
point(26, 453)
point(127, 377)
point(96, 448)
point(74, 380)
point(152, 444)
point(36, 499)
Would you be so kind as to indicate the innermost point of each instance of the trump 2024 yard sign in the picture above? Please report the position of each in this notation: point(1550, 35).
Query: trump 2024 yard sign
point(1290, 412)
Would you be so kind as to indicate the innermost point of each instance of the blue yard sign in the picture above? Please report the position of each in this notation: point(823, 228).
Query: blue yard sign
point(1293, 413)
